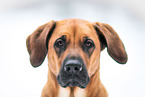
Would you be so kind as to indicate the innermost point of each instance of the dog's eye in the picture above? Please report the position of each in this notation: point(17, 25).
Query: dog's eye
point(89, 43)
point(59, 42)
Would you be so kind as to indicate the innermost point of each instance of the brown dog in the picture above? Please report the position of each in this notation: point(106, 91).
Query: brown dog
point(73, 47)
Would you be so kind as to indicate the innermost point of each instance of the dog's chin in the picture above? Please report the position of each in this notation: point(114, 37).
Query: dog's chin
point(73, 83)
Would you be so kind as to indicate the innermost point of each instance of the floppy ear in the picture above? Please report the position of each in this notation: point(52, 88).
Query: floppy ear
point(37, 43)
point(111, 40)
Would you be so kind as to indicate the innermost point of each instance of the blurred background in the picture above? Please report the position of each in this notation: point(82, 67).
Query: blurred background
point(19, 18)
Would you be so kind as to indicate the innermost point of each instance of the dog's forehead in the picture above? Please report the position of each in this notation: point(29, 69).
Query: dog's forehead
point(74, 27)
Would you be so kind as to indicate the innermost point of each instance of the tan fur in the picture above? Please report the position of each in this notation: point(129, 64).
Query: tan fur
point(75, 30)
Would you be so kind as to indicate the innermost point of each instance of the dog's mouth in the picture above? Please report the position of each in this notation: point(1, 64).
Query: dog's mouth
point(73, 82)
point(73, 73)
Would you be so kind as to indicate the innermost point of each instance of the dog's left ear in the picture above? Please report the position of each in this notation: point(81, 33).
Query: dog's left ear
point(37, 43)
point(111, 40)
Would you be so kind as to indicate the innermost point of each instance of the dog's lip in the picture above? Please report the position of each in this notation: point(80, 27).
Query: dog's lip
point(70, 82)
point(73, 83)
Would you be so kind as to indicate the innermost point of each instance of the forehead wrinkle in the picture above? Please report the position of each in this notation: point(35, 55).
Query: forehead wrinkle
point(85, 29)
point(74, 31)
point(64, 27)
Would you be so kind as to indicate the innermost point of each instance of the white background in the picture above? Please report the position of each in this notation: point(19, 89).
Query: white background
point(19, 19)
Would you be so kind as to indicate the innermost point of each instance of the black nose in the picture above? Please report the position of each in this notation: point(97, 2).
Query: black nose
point(73, 66)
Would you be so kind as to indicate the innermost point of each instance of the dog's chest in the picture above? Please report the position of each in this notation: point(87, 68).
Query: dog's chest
point(78, 92)
point(67, 92)
point(64, 92)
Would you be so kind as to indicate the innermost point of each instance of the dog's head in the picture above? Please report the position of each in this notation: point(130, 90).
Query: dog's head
point(73, 48)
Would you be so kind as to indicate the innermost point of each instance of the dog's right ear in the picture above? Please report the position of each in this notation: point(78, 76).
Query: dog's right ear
point(37, 43)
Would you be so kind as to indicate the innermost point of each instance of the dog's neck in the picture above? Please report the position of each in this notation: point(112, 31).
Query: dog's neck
point(94, 88)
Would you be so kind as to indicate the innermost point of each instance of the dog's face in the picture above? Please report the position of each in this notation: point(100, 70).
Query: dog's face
point(74, 47)
point(74, 51)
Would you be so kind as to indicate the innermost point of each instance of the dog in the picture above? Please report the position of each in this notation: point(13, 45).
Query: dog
point(73, 47)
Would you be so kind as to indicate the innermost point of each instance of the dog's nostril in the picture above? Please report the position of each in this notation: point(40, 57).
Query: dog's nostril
point(72, 68)
point(76, 68)
point(68, 68)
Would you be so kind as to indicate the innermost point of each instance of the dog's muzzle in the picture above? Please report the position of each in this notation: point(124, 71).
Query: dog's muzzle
point(73, 73)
